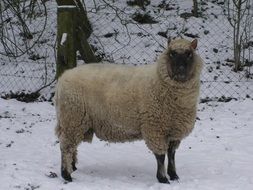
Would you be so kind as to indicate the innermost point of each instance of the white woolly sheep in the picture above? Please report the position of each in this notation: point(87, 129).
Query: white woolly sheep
point(120, 103)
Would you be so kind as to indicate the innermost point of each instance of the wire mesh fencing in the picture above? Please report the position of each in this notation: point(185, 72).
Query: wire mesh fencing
point(123, 36)
point(120, 38)
point(27, 46)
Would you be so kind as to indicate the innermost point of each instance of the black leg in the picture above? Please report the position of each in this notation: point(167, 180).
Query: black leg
point(171, 160)
point(74, 166)
point(66, 161)
point(66, 175)
point(74, 157)
point(160, 169)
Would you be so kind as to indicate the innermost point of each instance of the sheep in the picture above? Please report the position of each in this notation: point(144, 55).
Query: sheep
point(120, 103)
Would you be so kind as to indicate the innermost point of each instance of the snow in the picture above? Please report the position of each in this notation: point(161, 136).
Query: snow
point(64, 38)
point(217, 155)
point(66, 7)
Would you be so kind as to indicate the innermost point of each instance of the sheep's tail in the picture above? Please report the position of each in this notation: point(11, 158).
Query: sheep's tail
point(58, 130)
point(55, 99)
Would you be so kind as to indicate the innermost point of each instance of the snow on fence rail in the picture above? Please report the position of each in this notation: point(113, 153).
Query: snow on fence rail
point(122, 38)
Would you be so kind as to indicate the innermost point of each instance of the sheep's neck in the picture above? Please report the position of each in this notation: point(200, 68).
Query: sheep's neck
point(183, 94)
point(181, 97)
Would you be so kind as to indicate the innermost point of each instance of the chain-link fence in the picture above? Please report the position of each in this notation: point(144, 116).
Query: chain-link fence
point(27, 46)
point(130, 36)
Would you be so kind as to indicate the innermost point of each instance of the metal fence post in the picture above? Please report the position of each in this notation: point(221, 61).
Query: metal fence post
point(66, 38)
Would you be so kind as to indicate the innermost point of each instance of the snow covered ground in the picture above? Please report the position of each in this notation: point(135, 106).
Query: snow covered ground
point(216, 156)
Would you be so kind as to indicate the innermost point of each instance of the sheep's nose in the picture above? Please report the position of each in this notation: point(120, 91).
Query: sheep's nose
point(181, 68)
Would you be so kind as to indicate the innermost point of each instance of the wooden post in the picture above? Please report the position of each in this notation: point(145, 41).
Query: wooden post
point(66, 38)
point(82, 18)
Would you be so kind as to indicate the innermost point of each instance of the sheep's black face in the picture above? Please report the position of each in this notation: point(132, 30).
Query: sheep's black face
point(181, 60)
point(181, 65)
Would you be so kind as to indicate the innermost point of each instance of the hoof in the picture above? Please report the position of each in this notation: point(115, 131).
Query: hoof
point(65, 175)
point(174, 178)
point(163, 180)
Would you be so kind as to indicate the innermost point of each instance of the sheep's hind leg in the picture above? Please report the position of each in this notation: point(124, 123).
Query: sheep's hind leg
point(171, 160)
point(74, 160)
point(160, 169)
point(68, 159)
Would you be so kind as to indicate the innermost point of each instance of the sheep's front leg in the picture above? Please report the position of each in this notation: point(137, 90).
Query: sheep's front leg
point(74, 157)
point(171, 160)
point(160, 169)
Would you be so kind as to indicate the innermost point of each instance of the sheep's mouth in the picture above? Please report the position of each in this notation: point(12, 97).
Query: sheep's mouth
point(180, 77)
point(180, 73)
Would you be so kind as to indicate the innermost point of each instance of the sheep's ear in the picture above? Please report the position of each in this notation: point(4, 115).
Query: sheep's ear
point(194, 43)
point(168, 41)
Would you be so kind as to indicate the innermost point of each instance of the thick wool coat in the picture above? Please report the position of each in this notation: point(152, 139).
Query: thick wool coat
point(122, 103)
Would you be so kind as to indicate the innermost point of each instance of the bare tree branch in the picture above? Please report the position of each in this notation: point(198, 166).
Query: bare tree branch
point(17, 17)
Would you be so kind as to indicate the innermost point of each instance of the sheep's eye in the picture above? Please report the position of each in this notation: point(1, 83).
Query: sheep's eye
point(189, 54)
point(173, 54)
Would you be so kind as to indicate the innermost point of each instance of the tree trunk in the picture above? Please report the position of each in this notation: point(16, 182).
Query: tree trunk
point(85, 49)
point(195, 8)
point(83, 20)
point(66, 39)
point(237, 45)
